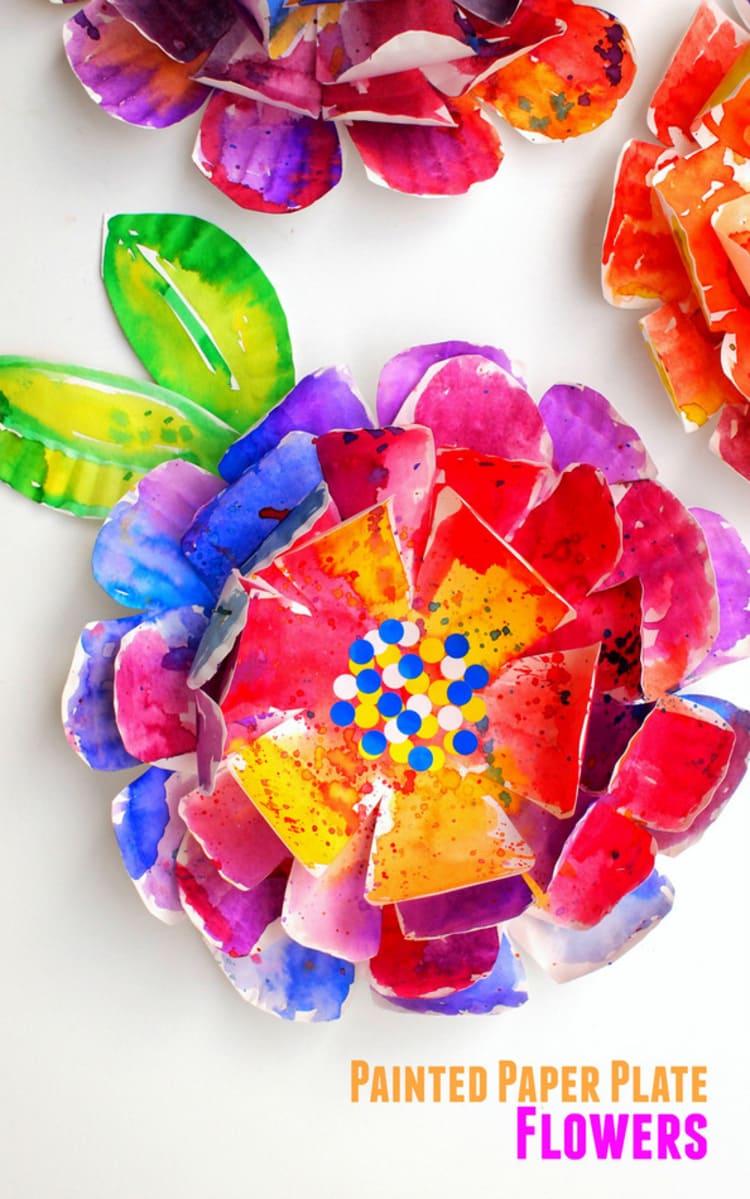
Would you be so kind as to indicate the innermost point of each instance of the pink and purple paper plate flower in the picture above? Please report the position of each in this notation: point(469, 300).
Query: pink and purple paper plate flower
point(416, 693)
point(415, 82)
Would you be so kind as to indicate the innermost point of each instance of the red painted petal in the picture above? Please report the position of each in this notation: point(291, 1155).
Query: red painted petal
point(605, 858)
point(499, 490)
point(404, 98)
point(362, 40)
point(424, 160)
point(573, 537)
point(240, 843)
point(665, 548)
point(710, 47)
point(537, 710)
point(640, 259)
point(372, 466)
point(265, 158)
point(412, 969)
point(239, 64)
point(731, 439)
point(673, 765)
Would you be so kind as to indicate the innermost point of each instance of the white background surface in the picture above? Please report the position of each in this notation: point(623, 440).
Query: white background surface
point(128, 1067)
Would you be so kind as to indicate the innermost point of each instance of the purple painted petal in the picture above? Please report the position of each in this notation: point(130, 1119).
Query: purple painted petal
point(586, 428)
point(464, 911)
point(228, 530)
point(731, 563)
point(265, 158)
point(137, 557)
point(128, 76)
point(155, 707)
point(502, 988)
point(149, 832)
point(211, 732)
point(183, 30)
point(88, 699)
point(611, 727)
point(470, 401)
point(239, 63)
point(288, 980)
point(400, 376)
point(325, 400)
point(567, 953)
point(329, 912)
point(234, 920)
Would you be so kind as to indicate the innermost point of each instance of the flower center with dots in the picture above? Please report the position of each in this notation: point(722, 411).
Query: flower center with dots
point(412, 697)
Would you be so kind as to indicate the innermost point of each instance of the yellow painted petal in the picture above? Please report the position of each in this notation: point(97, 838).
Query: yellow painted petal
point(440, 833)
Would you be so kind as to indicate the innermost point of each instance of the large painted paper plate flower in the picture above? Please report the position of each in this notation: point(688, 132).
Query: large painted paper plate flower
point(414, 693)
point(413, 81)
point(678, 230)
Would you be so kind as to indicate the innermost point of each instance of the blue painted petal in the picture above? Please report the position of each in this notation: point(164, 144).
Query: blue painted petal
point(570, 953)
point(149, 832)
point(299, 520)
point(228, 530)
point(288, 980)
point(227, 622)
point(502, 988)
point(137, 557)
point(88, 706)
point(320, 402)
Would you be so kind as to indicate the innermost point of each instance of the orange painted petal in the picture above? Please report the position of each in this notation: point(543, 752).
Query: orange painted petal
point(688, 359)
point(441, 832)
point(709, 49)
point(725, 118)
point(640, 260)
point(538, 713)
point(472, 582)
point(570, 84)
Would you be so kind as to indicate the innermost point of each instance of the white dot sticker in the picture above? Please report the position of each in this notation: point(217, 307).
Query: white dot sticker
point(450, 718)
point(410, 635)
point(345, 686)
point(392, 677)
point(453, 668)
point(419, 704)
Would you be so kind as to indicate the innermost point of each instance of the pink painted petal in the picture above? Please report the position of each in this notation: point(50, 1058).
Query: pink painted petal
point(424, 160)
point(501, 43)
point(731, 563)
point(239, 842)
point(400, 376)
point(149, 832)
point(265, 158)
point(406, 98)
point(573, 537)
point(128, 76)
point(499, 490)
point(417, 969)
point(708, 51)
point(472, 403)
point(329, 912)
point(545, 833)
point(605, 858)
point(88, 699)
point(232, 919)
point(475, 584)
point(155, 708)
point(665, 547)
point(239, 63)
point(369, 39)
point(355, 569)
point(673, 843)
point(566, 953)
point(537, 710)
point(672, 766)
point(372, 466)
point(183, 30)
point(731, 438)
point(586, 428)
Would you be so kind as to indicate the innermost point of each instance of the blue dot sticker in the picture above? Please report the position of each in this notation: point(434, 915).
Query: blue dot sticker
point(391, 631)
point(368, 681)
point(374, 743)
point(477, 677)
point(361, 652)
point(465, 742)
point(410, 666)
point(456, 645)
point(389, 704)
point(459, 692)
point(420, 758)
point(409, 722)
point(342, 713)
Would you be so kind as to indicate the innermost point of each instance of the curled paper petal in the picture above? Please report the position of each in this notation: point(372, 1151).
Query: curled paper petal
point(585, 428)
point(502, 988)
point(731, 439)
point(399, 377)
point(423, 969)
point(88, 700)
point(731, 562)
point(149, 832)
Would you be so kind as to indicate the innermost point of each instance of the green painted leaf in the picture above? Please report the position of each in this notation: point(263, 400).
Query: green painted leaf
point(78, 439)
point(199, 313)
